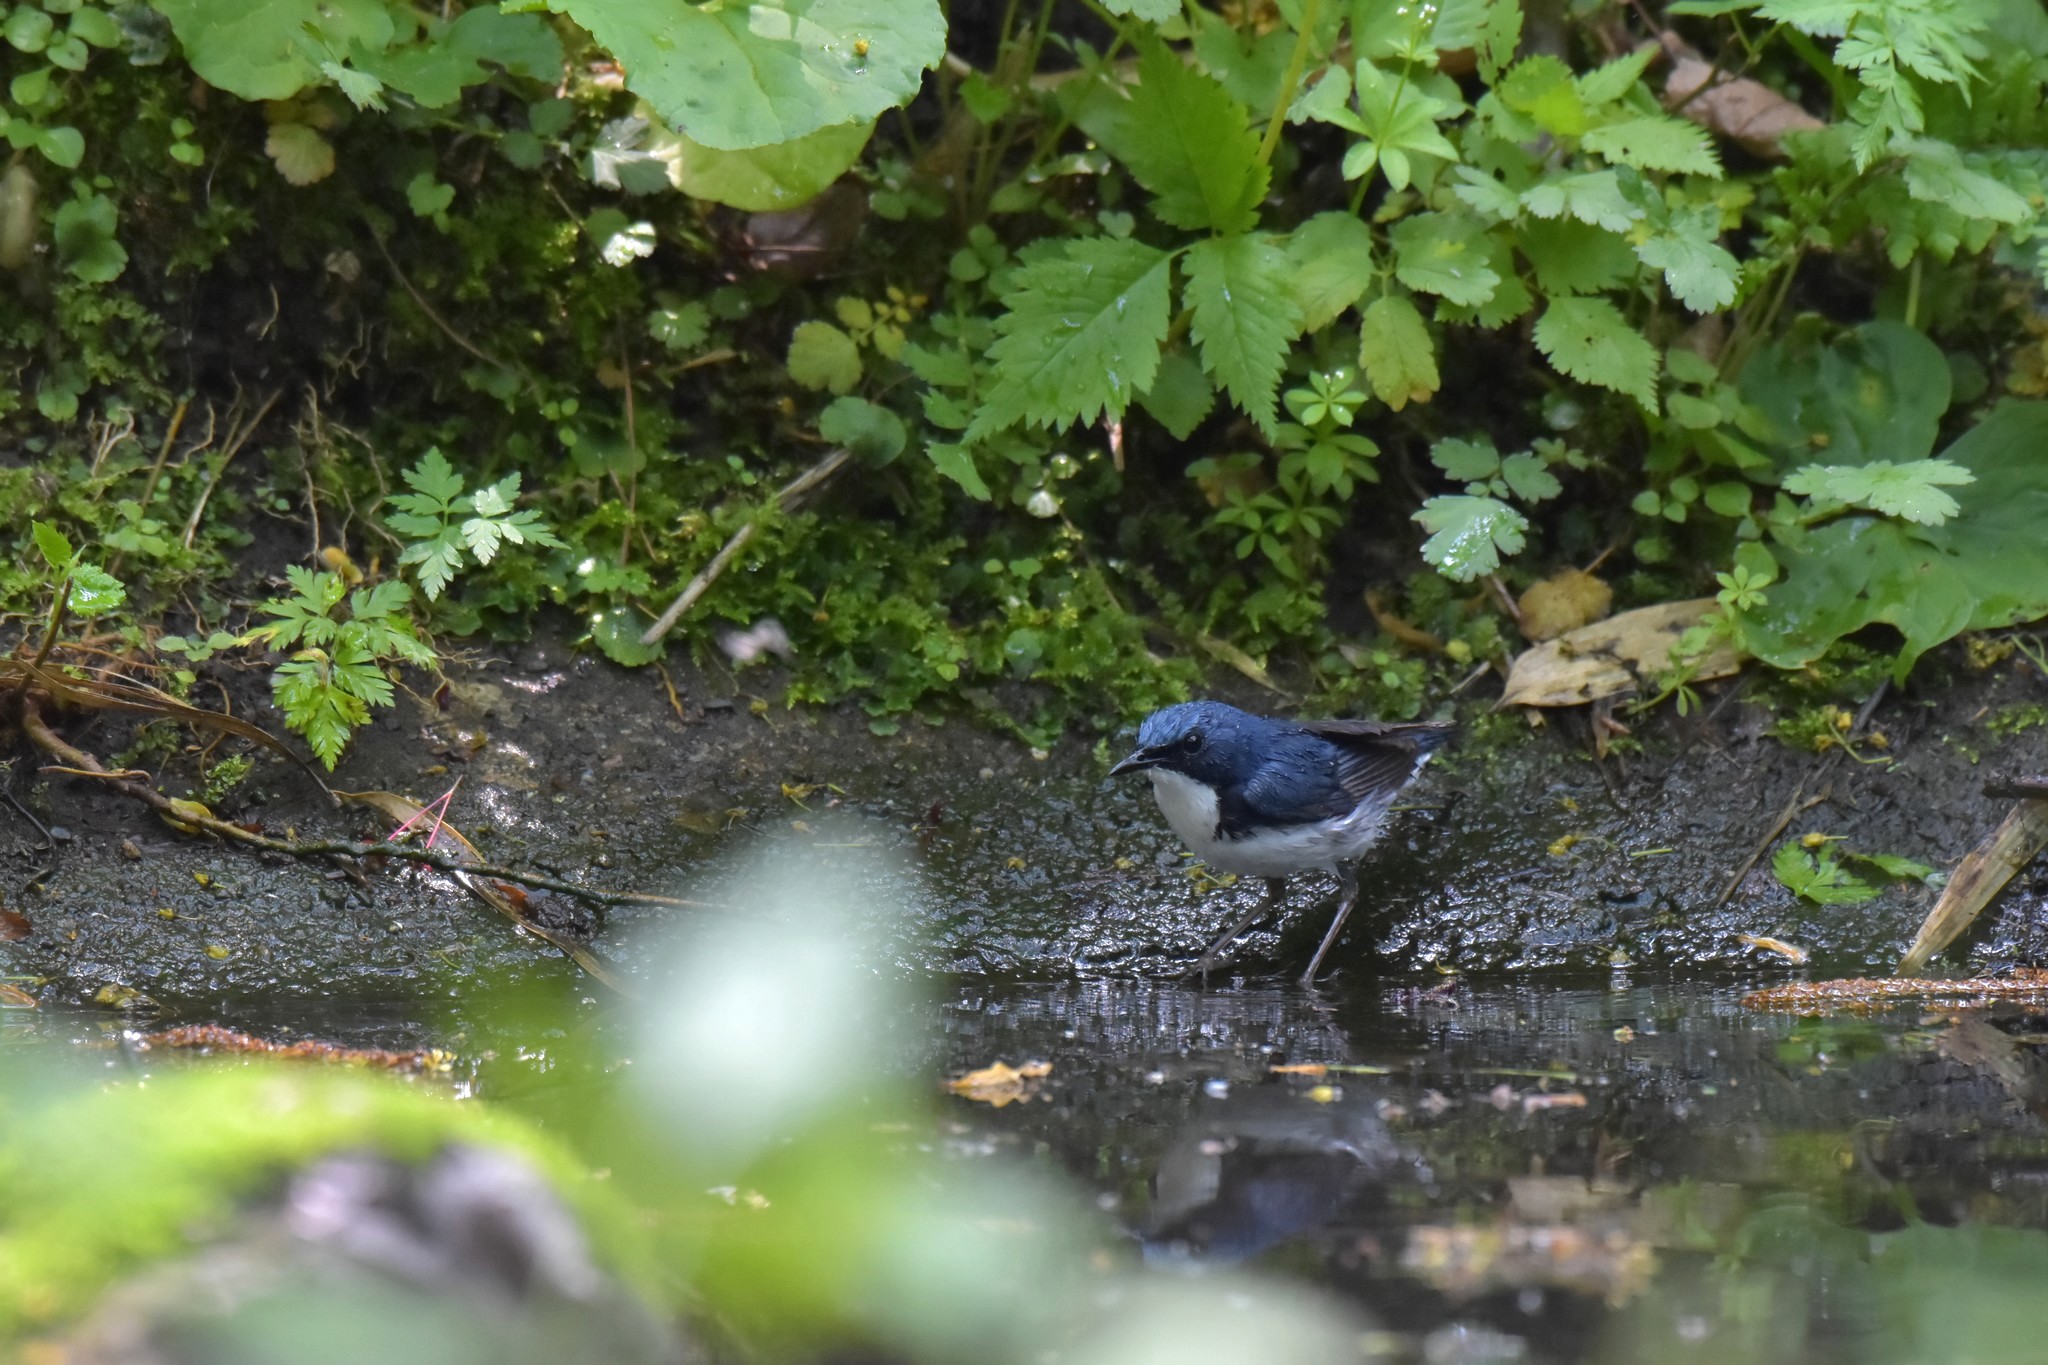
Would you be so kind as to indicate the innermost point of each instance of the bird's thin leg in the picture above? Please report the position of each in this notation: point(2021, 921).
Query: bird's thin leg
point(1347, 881)
point(1275, 887)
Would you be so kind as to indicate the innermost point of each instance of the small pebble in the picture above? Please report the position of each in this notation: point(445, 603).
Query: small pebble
point(1216, 1089)
point(131, 850)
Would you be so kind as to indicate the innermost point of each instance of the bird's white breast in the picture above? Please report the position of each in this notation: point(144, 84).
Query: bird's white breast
point(1192, 809)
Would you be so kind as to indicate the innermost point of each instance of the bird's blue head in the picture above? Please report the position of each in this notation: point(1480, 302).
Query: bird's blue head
point(1207, 740)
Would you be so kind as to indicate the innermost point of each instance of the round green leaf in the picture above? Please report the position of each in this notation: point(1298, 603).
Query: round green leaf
point(739, 76)
point(765, 179)
point(28, 29)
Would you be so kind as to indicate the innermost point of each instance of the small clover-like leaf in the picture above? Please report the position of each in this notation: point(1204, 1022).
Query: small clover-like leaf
point(1468, 535)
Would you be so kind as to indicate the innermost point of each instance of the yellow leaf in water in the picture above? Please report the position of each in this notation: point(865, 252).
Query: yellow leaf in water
point(999, 1083)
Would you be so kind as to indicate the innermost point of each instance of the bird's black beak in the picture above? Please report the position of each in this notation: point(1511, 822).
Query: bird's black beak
point(1139, 760)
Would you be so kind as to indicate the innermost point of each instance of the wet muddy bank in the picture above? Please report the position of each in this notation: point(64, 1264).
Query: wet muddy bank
point(1018, 865)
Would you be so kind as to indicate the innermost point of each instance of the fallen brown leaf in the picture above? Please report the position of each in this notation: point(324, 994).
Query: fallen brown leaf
point(15, 998)
point(1743, 111)
point(1621, 654)
point(14, 926)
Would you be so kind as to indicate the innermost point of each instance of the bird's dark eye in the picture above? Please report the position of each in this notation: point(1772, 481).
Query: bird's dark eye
point(1192, 743)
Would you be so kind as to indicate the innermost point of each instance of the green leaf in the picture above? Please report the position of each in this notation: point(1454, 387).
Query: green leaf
point(84, 236)
point(1698, 271)
point(272, 49)
point(454, 57)
point(1187, 141)
point(301, 155)
point(1529, 478)
point(432, 477)
point(1468, 535)
point(94, 591)
point(1329, 266)
point(680, 327)
point(1445, 254)
point(1818, 877)
point(1894, 867)
point(823, 357)
point(956, 462)
point(1151, 11)
point(1244, 317)
point(773, 178)
point(1396, 352)
point(28, 29)
point(1608, 83)
point(1467, 461)
point(1575, 258)
point(1936, 173)
point(1911, 490)
point(872, 432)
point(736, 76)
point(1080, 337)
point(1180, 395)
point(1656, 143)
point(61, 146)
point(1877, 392)
point(1542, 87)
point(1591, 197)
point(1984, 569)
point(427, 196)
point(617, 633)
point(1588, 339)
point(56, 549)
point(94, 26)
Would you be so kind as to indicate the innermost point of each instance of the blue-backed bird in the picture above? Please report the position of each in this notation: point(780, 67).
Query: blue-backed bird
point(1270, 798)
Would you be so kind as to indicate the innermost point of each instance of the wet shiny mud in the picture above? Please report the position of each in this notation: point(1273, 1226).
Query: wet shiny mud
point(1616, 1172)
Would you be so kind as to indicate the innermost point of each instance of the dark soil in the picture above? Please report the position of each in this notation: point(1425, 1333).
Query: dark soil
point(1026, 866)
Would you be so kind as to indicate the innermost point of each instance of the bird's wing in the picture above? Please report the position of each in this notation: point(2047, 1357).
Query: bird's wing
point(1378, 758)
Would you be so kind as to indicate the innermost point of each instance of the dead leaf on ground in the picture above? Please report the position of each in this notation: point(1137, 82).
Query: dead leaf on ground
point(1744, 111)
point(999, 1083)
point(1621, 654)
point(1979, 877)
point(15, 998)
point(1564, 601)
point(14, 926)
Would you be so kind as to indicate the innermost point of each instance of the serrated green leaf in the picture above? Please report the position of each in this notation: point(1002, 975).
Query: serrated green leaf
point(1187, 141)
point(823, 357)
point(739, 76)
point(1591, 197)
point(1911, 490)
point(1396, 352)
point(1656, 143)
point(1576, 258)
point(1589, 339)
point(1444, 254)
point(1080, 337)
point(1699, 272)
point(1529, 478)
point(1180, 395)
point(1151, 11)
point(1467, 461)
point(956, 462)
point(680, 327)
point(55, 547)
point(1468, 535)
point(1330, 266)
point(94, 591)
point(1244, 317)
point(433, 477)
point(301, 155)
point(1542, 87)
point(1936, 173)
point(1608, 83)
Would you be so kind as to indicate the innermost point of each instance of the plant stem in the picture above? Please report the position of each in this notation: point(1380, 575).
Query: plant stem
point(1297, 62)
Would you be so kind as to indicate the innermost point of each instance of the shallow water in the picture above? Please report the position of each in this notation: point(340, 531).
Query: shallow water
point(1617, 1171)
point(1602, 1170)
